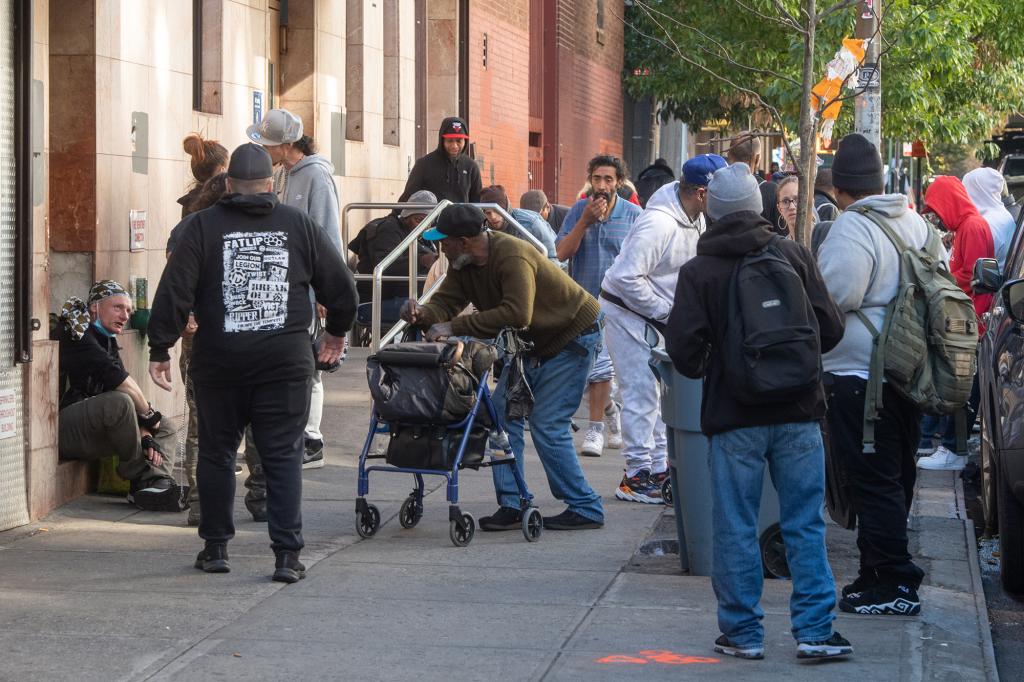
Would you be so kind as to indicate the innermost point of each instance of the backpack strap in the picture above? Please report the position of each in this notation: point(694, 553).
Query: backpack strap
point(876, 371)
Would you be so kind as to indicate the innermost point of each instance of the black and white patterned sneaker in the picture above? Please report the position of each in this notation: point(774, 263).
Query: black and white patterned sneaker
point(832, 647)
point(883, 600)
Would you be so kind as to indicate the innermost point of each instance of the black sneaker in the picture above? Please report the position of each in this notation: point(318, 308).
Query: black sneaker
point(570, 520)
point(313, 454)
point(832, 647)
point(288, 568)
point(885, 600)
point(156, 494)
point(506, 518)
point(213, 559)
point(724, 645)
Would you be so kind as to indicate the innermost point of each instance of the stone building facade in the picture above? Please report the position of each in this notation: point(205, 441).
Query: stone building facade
point(102, 92)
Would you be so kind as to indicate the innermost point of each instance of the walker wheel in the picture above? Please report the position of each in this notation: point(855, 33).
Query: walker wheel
point(773, 553)
point(411, 512)
point(461, 530)
point(666, 490)
point(368, 522)
point(533, 524)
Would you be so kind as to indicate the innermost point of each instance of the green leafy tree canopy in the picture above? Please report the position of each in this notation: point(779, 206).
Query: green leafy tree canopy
point(952, 70)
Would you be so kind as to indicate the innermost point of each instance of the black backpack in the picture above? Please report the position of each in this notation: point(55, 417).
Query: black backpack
point(771, 344)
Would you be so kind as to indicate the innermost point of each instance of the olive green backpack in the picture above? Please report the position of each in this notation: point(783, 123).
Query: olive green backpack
point(926, 349)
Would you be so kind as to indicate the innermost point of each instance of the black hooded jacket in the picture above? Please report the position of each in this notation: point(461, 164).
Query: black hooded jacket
point(697, 323)
point(457, 180)
point(245, 266)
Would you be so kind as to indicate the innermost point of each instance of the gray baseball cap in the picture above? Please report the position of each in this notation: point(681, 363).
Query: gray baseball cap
point(279, 126)
point(423, 196)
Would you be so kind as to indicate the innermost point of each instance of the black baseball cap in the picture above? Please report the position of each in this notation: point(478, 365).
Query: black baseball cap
point(457, 220)
point(250, 162)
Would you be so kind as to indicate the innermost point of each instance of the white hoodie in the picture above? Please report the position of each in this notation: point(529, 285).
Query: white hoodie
point(644, 273)
point(985, 188)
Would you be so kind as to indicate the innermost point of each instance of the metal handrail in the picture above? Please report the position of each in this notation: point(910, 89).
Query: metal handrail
point(409, 244)
point(402, 324)
point(370, 207)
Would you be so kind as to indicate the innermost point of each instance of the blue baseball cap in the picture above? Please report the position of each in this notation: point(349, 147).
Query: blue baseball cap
point(699, 169)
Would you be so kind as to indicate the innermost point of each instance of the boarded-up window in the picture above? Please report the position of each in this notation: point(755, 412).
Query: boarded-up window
point(392, 73)
point(354, 70)
point(207, 55)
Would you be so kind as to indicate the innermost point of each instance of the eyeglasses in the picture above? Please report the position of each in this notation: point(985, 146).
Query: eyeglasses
point(787, 203)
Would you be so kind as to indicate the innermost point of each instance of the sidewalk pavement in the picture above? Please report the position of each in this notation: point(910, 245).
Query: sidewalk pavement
point(101, 591)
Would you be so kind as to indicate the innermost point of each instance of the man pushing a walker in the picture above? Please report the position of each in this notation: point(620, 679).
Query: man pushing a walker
point(511, 284)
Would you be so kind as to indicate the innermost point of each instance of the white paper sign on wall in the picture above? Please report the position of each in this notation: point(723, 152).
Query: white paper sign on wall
point(136, 230)
point(8, 414)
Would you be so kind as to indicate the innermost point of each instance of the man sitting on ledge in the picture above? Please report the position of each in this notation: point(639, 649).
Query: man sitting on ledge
point(103, 411)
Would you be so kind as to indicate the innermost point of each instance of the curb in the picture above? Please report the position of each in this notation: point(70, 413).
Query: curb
point(978, 590)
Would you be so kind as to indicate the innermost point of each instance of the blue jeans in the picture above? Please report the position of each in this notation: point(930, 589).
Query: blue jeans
point(557, 385)
point(796, 459)
point(932, 424)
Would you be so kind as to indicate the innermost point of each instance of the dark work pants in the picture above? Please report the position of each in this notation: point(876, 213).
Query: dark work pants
point(278, 413)
point(881, 483)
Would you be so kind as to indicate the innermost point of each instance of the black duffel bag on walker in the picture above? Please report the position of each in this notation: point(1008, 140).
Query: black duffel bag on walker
point(428, 384)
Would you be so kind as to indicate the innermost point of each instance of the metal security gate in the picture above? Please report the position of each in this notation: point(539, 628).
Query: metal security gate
point(13, 502)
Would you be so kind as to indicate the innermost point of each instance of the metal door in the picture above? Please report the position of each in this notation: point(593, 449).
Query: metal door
point(13, 502)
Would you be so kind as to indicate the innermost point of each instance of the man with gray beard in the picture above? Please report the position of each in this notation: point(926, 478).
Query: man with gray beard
point(512, 284)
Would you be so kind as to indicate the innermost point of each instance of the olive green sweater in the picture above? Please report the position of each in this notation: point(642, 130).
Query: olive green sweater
point(518, 287)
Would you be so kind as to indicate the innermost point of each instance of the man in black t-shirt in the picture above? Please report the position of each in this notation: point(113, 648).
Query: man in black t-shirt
point(103, 411)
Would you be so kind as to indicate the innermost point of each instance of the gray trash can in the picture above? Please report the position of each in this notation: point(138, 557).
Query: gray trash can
point(691, 478)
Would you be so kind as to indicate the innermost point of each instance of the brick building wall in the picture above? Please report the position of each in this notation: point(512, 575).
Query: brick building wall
point(588, 74)
point(590, 89)
point(499, 92)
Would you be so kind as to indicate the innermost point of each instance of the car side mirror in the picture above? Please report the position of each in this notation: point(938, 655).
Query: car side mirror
point(1013, 299)
point(986, 278)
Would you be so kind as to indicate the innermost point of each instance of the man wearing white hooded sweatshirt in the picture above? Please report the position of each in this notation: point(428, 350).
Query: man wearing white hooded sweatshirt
point(637, 291)
point(985, 187)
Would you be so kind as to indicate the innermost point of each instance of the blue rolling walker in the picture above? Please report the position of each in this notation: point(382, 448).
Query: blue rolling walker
point(461, 525)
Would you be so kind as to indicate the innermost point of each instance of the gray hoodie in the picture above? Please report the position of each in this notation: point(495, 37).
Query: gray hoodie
point(309, 186)
point(861, 269)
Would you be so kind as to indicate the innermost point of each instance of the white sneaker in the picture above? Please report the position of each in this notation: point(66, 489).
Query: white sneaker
point(944, 459)
point(612, 427)
point(593, 443)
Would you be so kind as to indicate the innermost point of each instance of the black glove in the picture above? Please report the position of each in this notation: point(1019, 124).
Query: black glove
point(151, 420)
point(149, 443)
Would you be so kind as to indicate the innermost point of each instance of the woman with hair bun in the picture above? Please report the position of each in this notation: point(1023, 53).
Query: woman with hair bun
point(207, 159)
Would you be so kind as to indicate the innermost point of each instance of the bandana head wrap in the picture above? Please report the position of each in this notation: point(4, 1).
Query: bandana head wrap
point(74, 314)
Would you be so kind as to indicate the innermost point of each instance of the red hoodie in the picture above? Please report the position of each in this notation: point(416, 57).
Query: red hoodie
point(972, 237)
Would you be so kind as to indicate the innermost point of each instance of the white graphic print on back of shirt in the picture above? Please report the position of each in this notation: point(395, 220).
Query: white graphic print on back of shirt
point(255, 281)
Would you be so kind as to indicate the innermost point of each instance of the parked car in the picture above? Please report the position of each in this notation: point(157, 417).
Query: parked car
point(1001, 380)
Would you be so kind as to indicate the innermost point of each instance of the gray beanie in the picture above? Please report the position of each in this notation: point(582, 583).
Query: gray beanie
point(733, 189)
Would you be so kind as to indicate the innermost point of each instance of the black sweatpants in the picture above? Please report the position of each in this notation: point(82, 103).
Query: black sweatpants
point(278, 413)
point(881, 483)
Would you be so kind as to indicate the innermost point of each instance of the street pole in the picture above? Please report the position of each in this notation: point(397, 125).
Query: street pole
point(868, 104)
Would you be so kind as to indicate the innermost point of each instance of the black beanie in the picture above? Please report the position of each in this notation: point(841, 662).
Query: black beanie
point(857, 167)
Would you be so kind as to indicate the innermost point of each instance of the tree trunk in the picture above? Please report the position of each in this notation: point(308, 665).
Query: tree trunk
point(806, 165)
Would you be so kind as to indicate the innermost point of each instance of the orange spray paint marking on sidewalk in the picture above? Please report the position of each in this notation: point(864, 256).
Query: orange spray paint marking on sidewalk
point(658, 656)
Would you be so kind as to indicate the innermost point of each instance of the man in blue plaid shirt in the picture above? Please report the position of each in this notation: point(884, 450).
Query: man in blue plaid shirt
point(590, 239)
